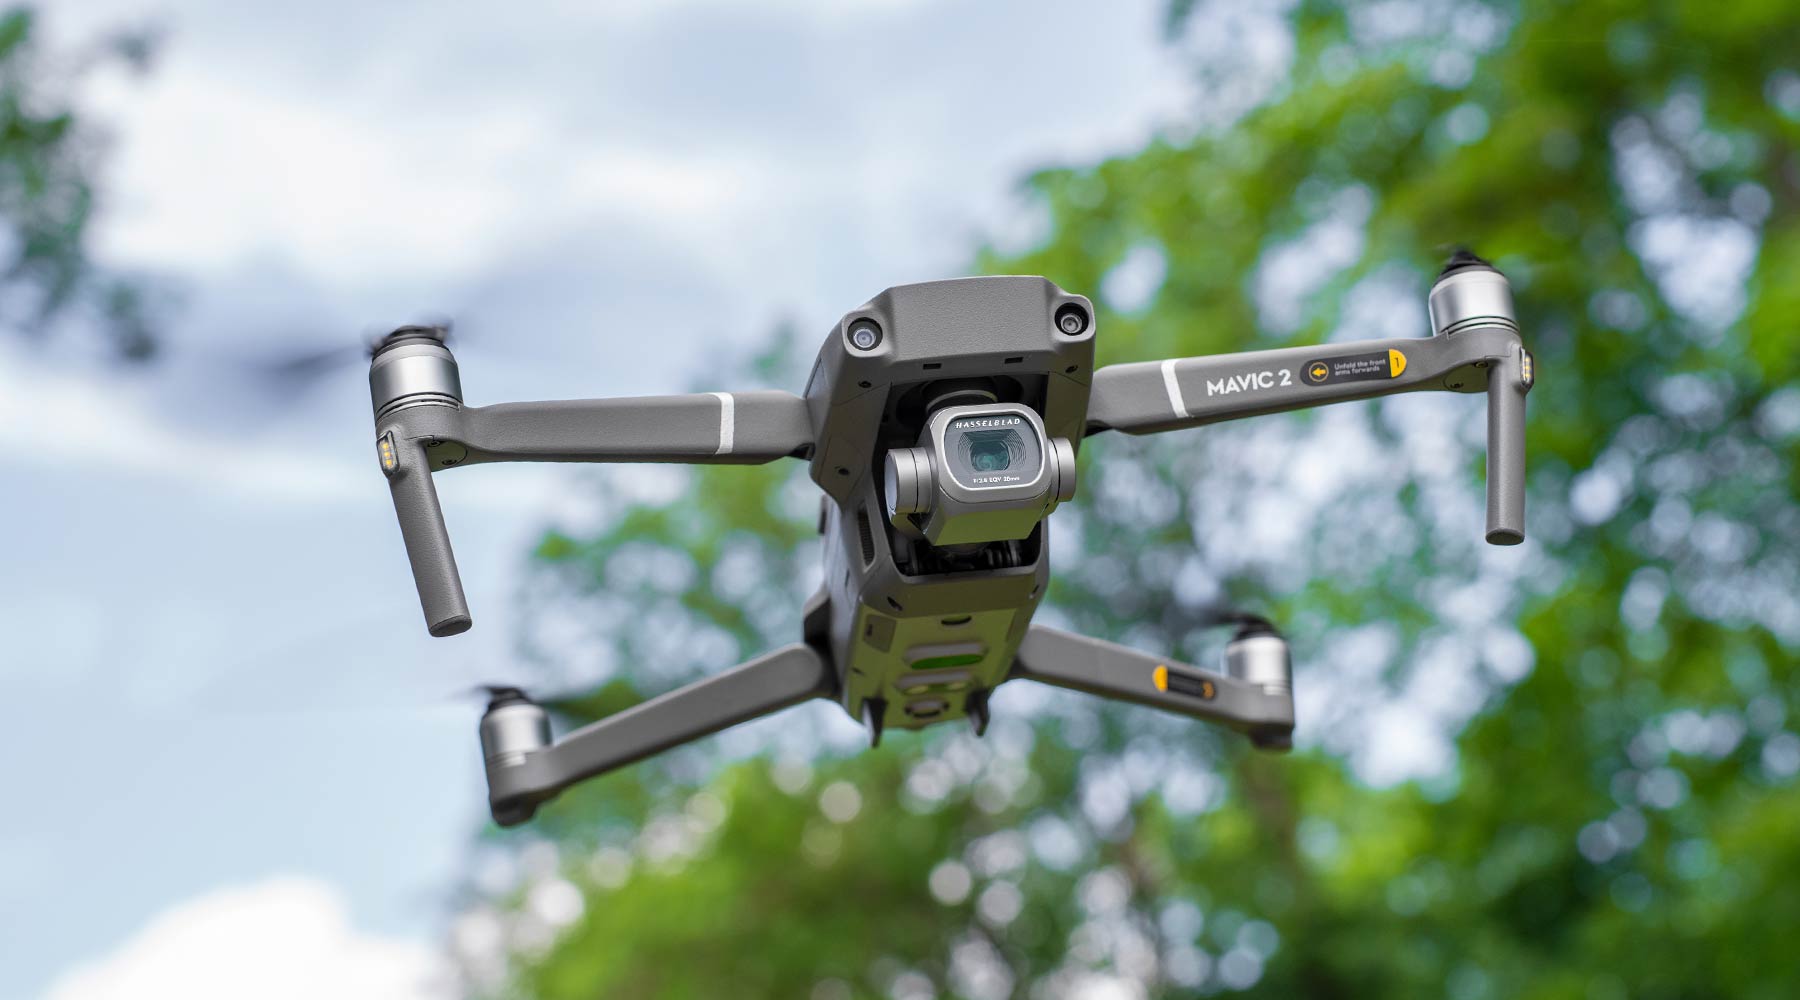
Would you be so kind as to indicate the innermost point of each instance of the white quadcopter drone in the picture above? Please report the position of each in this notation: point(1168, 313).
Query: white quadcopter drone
point(942, 422)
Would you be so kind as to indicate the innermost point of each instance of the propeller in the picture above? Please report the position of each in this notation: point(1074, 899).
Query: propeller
point(578, 708)
point(1248, 624)
point(502, 694)
point(292, 373)
point(1462, 259)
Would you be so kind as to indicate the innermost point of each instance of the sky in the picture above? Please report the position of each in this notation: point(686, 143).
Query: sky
point(237, 762)
point(234, 748)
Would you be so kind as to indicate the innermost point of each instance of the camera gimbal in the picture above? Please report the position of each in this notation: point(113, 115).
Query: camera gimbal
point(942, 422)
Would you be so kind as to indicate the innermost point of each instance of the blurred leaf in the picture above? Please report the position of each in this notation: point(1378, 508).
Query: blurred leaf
point(48, 165)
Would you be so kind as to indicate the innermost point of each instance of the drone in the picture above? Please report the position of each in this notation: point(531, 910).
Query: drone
point(942, 422)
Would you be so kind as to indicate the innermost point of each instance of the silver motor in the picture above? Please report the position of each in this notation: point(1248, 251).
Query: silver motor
point(512, 727)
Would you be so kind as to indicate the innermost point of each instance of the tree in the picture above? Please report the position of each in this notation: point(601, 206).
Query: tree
point(48, 158)
point(1607, 791)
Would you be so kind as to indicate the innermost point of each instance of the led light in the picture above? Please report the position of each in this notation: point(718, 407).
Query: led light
point(384, 448)
point(953, 660)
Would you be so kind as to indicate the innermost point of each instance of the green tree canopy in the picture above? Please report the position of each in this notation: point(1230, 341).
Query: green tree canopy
point(1565, 770)
point(48, 163)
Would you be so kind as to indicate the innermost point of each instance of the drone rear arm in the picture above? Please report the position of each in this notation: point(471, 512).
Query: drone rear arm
point(522, 771)
point(1255, 698)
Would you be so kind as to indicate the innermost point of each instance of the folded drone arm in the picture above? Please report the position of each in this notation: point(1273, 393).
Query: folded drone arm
point(521, 777)
point(1259, 704)
point(1167, 395)
point(423, 531)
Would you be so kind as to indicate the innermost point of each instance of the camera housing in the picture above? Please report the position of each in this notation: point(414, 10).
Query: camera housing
point(980, 473)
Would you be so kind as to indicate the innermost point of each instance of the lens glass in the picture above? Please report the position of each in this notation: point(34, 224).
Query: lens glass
point(990, 455)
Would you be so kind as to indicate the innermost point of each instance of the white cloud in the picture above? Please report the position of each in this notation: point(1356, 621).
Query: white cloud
point(60, 418)
point(443, 146)
point(362, 196)
point(286, 937)
point(373, 176)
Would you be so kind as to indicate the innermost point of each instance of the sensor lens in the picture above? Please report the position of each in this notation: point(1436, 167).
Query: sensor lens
point(1071, 319)
point(865, 335)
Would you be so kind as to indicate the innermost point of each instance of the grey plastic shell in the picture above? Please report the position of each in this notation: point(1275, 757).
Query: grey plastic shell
point(518, 782)
point(1481, 352)
point(432, 432)
point(427, 538)
point(1263, 710)
point(875, 603)
point(907, 482)
point(1000, 326)
point(914, 625)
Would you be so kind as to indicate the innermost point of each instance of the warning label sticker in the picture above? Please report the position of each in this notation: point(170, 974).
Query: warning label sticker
point(1354, 368)
point(1167, 680)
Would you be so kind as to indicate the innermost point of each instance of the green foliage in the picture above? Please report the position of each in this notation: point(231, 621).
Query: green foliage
point(1614, 814)
point(47, 196)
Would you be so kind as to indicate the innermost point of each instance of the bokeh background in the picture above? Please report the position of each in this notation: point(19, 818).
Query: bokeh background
point(236, 766)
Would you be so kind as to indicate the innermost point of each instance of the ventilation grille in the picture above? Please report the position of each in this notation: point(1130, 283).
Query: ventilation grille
point(866, 535)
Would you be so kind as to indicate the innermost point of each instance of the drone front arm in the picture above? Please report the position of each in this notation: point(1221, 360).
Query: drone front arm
point(523, 770)
point(1154, 396)
point(421, 427)
point(1150, 396)
point(427, 538)
point(711, 428)
point(1256, 699)
point(1476, 347)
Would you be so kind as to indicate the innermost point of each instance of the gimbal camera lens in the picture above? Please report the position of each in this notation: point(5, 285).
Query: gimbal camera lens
point(1071, 319)
point(989, 454)
point(865, 335)
point(984, 472)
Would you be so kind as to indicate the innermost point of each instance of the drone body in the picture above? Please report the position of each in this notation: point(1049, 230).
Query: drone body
point(924, 630)
point(941, 421)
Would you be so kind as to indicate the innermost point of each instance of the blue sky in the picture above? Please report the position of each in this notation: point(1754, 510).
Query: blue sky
point(231, 731)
